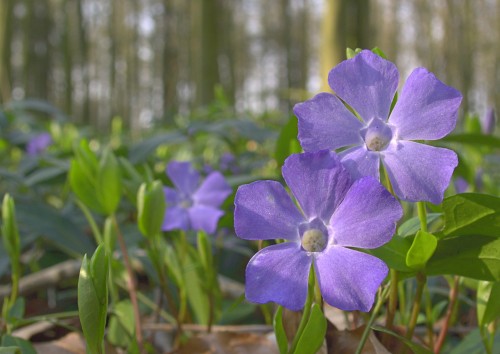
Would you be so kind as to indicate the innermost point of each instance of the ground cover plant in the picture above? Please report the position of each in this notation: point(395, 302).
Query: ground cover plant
point(366, 222)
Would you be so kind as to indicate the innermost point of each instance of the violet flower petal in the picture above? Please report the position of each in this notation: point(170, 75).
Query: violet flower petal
point(212, 191)
point(419, 172)
point(367, 83)
point(349, 279)
point(367, 216)
point(325, 123)
point(204, 218)
point(264, 210)
point(279, 273)
point(318, 181)
point(426, 108)
point(183, 176)
point(176, 218)
point(171, 196)
point(361, 162)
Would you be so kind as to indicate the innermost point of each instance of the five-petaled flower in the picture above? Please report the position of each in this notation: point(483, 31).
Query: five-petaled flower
point(335, 215)
point(426, 110)
point(191, 205)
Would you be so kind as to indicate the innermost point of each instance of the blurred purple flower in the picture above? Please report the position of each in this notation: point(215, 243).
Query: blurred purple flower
point(336, 215)
point(38, 144)
point(426, 110)
point(461, 185)
point(191, 205)
point(488, 122)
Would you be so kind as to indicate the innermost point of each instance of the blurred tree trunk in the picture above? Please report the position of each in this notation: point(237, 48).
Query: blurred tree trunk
point(6, 25)
point(209, 74)
point(84, 63)
point(345, 23)
point(170, 60)
point(67, 53)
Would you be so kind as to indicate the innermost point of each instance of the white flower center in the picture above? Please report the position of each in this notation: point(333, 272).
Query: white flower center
point(377, 135)
point(313, 240)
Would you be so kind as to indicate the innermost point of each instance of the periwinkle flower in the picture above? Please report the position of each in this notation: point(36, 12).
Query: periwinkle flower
point(334, 215)
point(192, 205)
point(38, 144)
point(426, 110)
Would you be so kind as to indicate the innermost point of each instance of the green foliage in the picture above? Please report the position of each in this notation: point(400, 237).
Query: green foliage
point(423, 247)
point(488, 306)
point(23, 346)
point(93, 298)
point(97, 183)
point(314, 333)
point(279, 331)
point(287, 142)
point(150, 208)
point(471, 214)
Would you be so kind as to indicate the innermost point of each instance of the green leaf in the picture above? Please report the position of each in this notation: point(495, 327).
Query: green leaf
point(473, 139)
point(287, 142)
point(150, 208)
point(279, 331)
point(314, 333)
point(24, 346)
point(10, 233)
point(379, 52)
point(122, 327)
point(423, 247)
point(10, 350)
point(45, 175)
point(417, 349)
point(471, 214)
point(476, 257)
point(109, 183)
point(46, 221)
point(195, 289)
point(394, 253)
point(93, 299)
point(473, 344)
point(411, 226)
point(488, 306)
point(83, 185)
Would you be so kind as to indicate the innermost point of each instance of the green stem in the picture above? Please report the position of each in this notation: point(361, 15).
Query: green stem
point(95, 230)
point(422, 215)
point(428, 314)
point(307, 311)
point(393, 299)
point(421, 281)
point(131, 283)
point(376, 309)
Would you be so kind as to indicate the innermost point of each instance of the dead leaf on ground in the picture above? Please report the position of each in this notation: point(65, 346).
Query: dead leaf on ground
point(72, 343)
point(229, 343)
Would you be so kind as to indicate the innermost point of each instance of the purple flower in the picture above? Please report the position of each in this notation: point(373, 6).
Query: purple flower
point(191, 205)
point(488, 122)
point(426, 110)
point(38, 144)
point(334, 215)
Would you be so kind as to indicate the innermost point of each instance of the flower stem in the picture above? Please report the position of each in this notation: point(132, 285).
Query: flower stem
point(381, 299)
point(422, 215)
point(393, 299)
point(131, 283)
point(307, 311)
point(449, 312)
point(421, 281)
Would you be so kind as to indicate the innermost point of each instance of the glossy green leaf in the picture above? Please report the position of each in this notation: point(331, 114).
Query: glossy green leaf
point(279, 331)
point(314, 333)
point(394, 253)
point(151, 208)
point(471, 214)
point(109, 183)
point(287, 142)
point(423, 247)
point(93, 299)
point(477, 257)
point(488, 304)
point(411, 226)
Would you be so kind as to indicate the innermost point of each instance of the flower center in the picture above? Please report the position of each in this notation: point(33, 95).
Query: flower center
point(377, 135)
point(186, 203)
point(313, 240)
